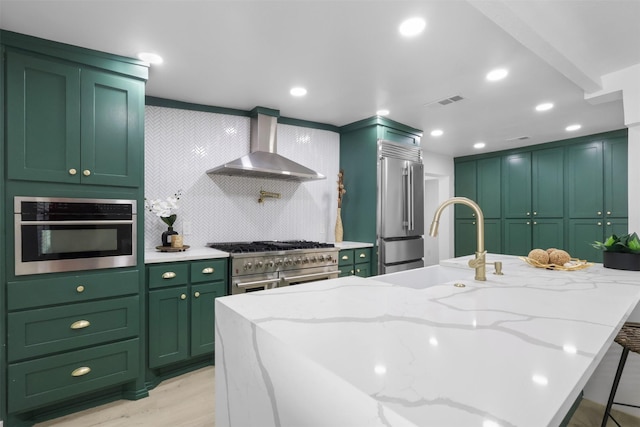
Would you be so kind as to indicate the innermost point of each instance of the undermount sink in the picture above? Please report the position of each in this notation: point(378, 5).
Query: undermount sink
point(427, 276)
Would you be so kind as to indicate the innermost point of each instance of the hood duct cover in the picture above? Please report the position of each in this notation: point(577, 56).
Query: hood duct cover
point(263, 161)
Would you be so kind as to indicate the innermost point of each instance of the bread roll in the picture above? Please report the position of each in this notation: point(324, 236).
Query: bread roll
point(559, 257)
point(539, 255)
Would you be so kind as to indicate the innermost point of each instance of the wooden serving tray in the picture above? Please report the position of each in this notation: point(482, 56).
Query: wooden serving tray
point(171, 249)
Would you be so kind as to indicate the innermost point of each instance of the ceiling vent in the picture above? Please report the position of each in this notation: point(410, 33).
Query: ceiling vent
point(444, 101)
point(517, 138)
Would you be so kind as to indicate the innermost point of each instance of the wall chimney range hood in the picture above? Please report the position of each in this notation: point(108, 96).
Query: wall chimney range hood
point(263, 161)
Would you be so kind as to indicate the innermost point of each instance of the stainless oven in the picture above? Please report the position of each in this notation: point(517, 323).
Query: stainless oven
point(71, 234)
point(257, 266)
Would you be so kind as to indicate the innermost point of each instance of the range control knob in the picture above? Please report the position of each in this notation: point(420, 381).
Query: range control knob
point(270, 264)
point(298, 260)
point(314, 259)
point(260, 264)
point(305, 260)
point(279, 262)
point(321, 258)
point(288, 261)
point(248, 266)
point(329, 257)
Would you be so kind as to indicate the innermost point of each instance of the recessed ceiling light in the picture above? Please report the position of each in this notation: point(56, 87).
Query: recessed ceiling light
point(479, 145)
point(571, 128)
point(382, 112)
point(497, 74)
point(436, 132)
point(298, 91)
point(412, 27)
point(151, 58)
point(544, 106)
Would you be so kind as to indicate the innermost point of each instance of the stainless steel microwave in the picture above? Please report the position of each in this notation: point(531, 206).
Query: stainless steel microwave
point(69, 234)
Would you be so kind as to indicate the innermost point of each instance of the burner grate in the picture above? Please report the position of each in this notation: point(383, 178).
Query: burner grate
point(268, 246)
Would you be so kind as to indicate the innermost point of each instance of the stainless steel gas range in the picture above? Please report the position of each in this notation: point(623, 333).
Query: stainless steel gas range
point(256, 266)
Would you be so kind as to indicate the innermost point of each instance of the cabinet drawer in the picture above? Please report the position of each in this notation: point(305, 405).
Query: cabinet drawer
point(208, 271)
point(47, 330)
point(345, 257)
point(46, 380)
point(72, 288)
point(168, 275)
point(362, 255)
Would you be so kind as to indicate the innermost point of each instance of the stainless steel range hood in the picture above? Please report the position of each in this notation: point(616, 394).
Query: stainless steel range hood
point(263, 161)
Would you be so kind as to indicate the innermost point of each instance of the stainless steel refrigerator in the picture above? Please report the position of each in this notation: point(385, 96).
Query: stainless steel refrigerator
point(400, 225)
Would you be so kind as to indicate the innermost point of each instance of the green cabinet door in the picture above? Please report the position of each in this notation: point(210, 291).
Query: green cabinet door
point(112, 129)
point(616, 178)
point(465, 237)
point(168, 326)
point(488, 187)
point(43, 119)
point(70, 124)
point(547, 233)
point(465, 186)
point(584, 184)
point(493, 236)
point(203, 315)
point(517, 237)
point(548, 183)
point(516, 191)
point(583, 232)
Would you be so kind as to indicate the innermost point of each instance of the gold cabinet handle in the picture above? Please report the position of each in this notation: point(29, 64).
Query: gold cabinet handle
point(72, 171)
point(599, 223)
point(80, 289)
point(535, 222)
point(86, 172)
point(83, 370)
point(357, 270)
point(197, 294)
point(208, 270)
point(183, 296)
point(351, 272)
point(528, 214)
point(345, 257)
point(363, 255)
point(608, 222)
point(608, 212)
point(528, 223)
point(168, 275)
point(80, 324)
point(535, 213)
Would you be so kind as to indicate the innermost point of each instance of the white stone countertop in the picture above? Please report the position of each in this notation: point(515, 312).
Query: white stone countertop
point(412, 349)
point(155, 256)
point(352, 245)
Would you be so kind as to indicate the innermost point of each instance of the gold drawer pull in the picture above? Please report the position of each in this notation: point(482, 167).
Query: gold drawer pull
point(84, 370)
point(363, 256)
point(197, 295)
point(183, 296)
point(80, 324)
point(208, 270)
point(345, 257)
point(168, 275)
point(80, 289)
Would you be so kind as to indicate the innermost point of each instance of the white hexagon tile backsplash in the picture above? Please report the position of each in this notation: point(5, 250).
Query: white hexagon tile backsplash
point(181, 145)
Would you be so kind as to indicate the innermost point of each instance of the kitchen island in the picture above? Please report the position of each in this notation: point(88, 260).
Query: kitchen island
point(427, 347)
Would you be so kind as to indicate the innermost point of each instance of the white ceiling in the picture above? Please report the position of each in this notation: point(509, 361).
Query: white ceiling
point(349, 55)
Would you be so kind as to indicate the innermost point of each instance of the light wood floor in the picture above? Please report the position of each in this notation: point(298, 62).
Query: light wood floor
point(188, 401)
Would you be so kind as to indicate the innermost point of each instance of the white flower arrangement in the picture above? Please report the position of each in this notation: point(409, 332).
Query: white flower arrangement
point(165, 209)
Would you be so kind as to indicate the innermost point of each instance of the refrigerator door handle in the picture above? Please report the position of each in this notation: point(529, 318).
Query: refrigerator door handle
point(410, 203)
point(406, 220)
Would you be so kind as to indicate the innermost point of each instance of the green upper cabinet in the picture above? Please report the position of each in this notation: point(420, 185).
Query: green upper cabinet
point(478, 180)
point(69, 123)
point(516, 169)
point(615, 178)
point(465, 184)
point(585, 186)
point(533, 184)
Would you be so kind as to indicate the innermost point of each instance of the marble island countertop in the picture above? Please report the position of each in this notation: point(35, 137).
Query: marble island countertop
point(412, 349)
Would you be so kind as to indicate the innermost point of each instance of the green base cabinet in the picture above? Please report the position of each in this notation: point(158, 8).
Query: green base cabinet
point(181, 309)
point(69, 335)
point(355, 262)
point(521, 235)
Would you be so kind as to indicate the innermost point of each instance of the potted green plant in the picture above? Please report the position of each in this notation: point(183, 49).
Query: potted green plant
point(622, 253)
